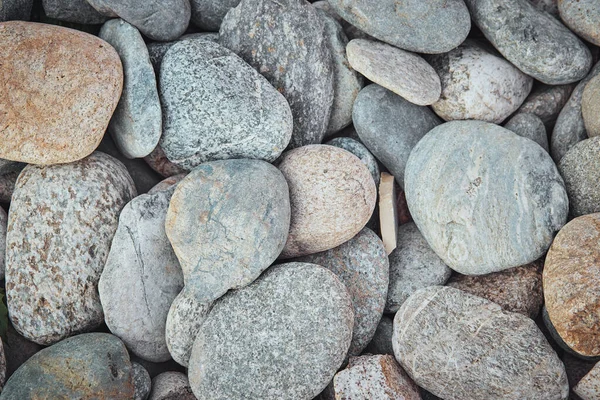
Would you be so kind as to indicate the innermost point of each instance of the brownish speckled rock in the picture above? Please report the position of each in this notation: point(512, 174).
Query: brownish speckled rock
point(571, 282)
point(590, 107)
point(59, 89)
point(588, 388)
point(60, 227)
point(517, 289)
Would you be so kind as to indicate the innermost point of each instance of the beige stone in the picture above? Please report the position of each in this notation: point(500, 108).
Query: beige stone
point(388, 212)
point(590, 107)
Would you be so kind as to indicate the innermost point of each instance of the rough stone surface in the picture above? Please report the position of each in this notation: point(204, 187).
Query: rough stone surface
point(529, 126)
point(570, 128)
point(87, 366)
point(76, 11)
point(571, 281)
point(382, 340)
point(157, 50)
point(589, 107)
point(218, 107)
point(136, 125)
point(60, 88)
point(374, 377)
point(60, 227)
point(533, 40)
point(15, 10)
point(413, 265)
point(580, 168)
point(208, 14)
point(390, 126)
point(588, 388)
point(410, 25)
point(478, 84)
point(158, 161)
point(157, 19)
point(284, 40)
point(283, 337)
point(400, 71)
point(332, 195)
point(546, 101)
point(581, 16)
point(171, 386)
point(484, 198)
point(516, 290)
point(362, 265)
point(141, 277)
point(228, 221)
point(3, 223)
point(141, 382)
point(359, 150)
point(460, 346)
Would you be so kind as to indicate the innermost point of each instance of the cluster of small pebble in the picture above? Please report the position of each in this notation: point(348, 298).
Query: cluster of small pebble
point(192, 190)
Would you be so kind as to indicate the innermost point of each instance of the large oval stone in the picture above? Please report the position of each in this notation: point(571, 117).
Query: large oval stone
point(283, 337)
point(60, 227)
point(60, 88)
point(484, 198)
point(571, 281)
point(460, 346)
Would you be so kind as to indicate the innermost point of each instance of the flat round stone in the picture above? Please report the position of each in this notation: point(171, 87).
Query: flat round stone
point(529, 126)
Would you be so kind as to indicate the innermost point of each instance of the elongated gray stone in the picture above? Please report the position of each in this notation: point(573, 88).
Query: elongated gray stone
point(484, 198)
point(136, 125)
point(283, 337)
point(359, 150)
point(77, 11)
point(3, 225)
point(218, 107)
point(142, 277)
point(87, 366)
point(529, 126)
point(60, 227)
point(534, 41)
point(390, 126)
point(284, 40)
point(15, 10)
point(410, 25)
point(460, 346)
point(208, 14)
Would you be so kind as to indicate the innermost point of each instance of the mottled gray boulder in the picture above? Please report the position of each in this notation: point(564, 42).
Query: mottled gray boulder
point(284, 40)
point(136, 125)
point(529, 126)
point(546, 101)
point(283, 337)
point(484, 198)
point(382, 339)
point(581, 16)
point(478, 84)
point(535, 42)
point(157, 50)
point(15, 10)
point(346, 81)
point(208, 14)
point(60, 227)
point(460, 346)
point(390, 126)
point(157, 19)
point(77, 11)
point(362, 256)
point(142, 277)
point(570, 128)
point(580, 168)
point(228, 221)
point(410, 25)
point(171, 386)
point(217, 107)
point(359, 150)
point(590, 108)
point(3, 224)
point(87, 366)
point(413, 265)
point(141, 382)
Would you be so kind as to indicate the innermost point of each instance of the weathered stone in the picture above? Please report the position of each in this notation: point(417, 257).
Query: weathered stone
point(208, 14)
point(141, 277)
point(332, 195)
point(15, 10)
point(283, 337)
point(158, 19)
point(88, 366)
point(534, 41)
point(382, 340)
point(460, 346)
point(390, 126)
point(362, 265)
point(589, 387)
point(359, 150)
point(413, 265)
point(217, 107)
point(581, 16)
point(402, 72)
point(478, 84)
point(136, 125)
point(580, 168)
point(410, 25)
point(590, 108)
point(171, 386)
point(60, 88)
point(571, 281)
point(284, 40)
point(3, 223)
point(484, 198)
point(158, 161)
point(157, 50)
point(76, 11)
point(60, 227)
point(529, 126)
point(374, 377)
point(546, 101)
point(141, 382)
point(516, 290)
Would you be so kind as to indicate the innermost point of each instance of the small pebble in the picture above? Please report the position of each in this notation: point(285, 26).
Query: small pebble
point(158, 161)
point(529, 126)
